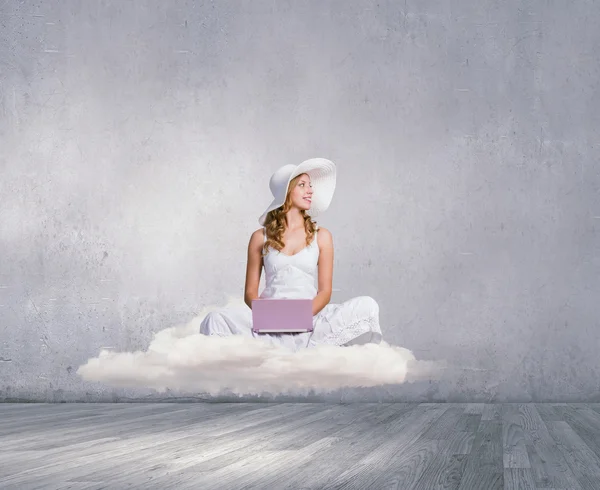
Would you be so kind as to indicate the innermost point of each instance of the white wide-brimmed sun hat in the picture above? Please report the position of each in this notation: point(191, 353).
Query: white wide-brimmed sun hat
point(322, 177)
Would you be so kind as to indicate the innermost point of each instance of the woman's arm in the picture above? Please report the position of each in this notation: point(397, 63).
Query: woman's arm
point(325, 271)
point(253, 267)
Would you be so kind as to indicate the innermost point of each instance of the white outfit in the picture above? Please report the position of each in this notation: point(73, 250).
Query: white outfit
point(355, 321)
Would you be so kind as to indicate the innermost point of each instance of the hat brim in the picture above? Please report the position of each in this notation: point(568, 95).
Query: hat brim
point(322, 173)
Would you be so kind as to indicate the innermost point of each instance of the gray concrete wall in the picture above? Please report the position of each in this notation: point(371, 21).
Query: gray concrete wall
point(137, 139)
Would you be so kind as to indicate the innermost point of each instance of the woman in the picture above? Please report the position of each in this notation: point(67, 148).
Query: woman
point(295, 253)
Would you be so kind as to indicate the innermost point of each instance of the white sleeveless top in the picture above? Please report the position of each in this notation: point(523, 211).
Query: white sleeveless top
point(291, 276)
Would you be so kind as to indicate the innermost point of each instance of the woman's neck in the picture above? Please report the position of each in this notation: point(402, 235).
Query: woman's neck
point(294, 219)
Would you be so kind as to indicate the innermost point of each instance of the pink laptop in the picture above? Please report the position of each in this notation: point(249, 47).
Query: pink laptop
point(282, 315)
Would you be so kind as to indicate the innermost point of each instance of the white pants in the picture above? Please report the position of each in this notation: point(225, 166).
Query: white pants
point(355, 321)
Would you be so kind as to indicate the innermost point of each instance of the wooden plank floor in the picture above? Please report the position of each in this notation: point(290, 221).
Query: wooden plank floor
point(300, 446)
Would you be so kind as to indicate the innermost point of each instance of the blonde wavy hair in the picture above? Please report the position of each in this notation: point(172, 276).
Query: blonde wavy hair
point(275, 224)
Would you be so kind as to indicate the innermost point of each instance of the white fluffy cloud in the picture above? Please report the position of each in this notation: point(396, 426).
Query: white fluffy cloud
point(179, 358)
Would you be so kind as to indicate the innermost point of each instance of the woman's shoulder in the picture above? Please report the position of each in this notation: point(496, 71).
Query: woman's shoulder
point(257, 236)
point(324, 236)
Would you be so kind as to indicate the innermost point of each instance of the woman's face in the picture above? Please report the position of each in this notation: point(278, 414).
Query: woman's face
point(301, 194)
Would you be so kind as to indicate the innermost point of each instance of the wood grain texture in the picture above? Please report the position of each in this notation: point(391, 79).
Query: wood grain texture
point(427, 446)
